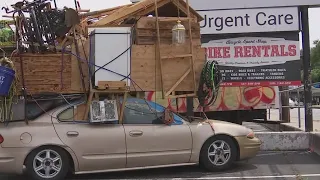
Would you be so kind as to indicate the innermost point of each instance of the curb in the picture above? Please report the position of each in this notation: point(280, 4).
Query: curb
point(315, 142)
point(281, 127)
point(285, 141)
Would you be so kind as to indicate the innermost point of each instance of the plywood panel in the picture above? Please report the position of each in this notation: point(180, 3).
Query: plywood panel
point(76, 83)
point(163, 33)
point(150, 23)
point(146, 33)
point(146, 73)
point(46, 73)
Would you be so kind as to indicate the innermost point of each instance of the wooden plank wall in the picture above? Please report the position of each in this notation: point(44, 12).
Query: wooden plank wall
point(42, 72)
point(144, 69)
point(146, 33)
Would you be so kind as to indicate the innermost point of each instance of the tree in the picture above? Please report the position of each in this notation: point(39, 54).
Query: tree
point(315, 62)
point(315, 55)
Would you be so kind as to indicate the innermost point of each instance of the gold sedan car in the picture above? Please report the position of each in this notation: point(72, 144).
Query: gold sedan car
point(55, 143)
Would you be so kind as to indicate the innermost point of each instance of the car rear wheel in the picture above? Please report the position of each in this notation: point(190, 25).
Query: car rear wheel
point(218, 153)
point(48, 163)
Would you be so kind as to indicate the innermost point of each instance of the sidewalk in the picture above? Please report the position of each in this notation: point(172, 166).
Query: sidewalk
point(294, 118)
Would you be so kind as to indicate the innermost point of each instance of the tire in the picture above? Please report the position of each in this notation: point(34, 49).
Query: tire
point(57, 157)
point(230, 150)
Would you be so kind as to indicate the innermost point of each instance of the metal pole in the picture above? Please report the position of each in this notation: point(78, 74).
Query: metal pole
point(299, 115)
point(76, 5)
point(269, 109)
point(55, 4)
point(280, 106)
point(306, 69)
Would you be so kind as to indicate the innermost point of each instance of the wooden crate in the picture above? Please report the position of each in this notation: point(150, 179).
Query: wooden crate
point(146, 73)
point(49, 73)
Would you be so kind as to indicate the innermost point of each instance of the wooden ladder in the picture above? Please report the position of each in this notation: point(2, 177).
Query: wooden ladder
point(190, 55)
point(114, 88)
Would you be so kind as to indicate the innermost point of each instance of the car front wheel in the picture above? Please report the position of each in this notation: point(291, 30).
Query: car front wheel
point(218, 153)
point(48, 163)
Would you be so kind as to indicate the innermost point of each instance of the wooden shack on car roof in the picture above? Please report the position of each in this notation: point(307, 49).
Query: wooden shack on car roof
point(156, 63)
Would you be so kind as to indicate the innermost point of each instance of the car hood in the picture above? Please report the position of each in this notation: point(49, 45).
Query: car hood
point(223, 127)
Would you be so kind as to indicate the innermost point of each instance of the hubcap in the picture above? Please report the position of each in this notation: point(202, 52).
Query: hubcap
point(219, 153)
point(47, 164)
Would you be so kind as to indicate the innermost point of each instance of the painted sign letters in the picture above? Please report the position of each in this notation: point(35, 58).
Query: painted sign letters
point(249, 20)
point(256, 61)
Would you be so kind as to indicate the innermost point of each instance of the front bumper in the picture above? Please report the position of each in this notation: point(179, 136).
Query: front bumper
point(248, 147)
point(12, 160)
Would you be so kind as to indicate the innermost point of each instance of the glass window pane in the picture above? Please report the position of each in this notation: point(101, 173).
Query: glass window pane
point(67, 115)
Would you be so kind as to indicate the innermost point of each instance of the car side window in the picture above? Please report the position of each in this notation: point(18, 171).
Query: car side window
point(137, 112)
point(66, 115)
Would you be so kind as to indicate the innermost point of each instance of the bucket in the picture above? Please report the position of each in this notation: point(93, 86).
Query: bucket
point(6, 78)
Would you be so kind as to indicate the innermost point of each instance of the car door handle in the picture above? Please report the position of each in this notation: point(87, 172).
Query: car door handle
point(135, 133)
point(72, 133)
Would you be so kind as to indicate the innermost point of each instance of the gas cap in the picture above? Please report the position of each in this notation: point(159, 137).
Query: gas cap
point(25, 138)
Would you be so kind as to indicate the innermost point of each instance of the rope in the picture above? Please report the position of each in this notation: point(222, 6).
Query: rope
point(210, 80)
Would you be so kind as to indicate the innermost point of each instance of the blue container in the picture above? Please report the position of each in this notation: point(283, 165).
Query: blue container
point(6, 78)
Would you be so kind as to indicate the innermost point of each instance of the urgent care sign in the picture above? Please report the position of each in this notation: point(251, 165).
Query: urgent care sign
point(249, 20)
point(252, 61)
point(249, 4)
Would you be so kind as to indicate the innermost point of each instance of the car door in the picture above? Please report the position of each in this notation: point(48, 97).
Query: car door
point(149, 141)
point(97, 147)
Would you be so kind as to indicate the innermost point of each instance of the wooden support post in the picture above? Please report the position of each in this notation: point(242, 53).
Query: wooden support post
point(158, 47)
point(191, 47)
point(123, 107)
point(114, 88)
point(89, 101)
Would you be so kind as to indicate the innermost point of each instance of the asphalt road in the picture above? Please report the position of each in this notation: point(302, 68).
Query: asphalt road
point(266, 165)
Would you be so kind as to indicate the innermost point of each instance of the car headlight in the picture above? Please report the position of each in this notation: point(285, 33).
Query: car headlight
point(251, 135)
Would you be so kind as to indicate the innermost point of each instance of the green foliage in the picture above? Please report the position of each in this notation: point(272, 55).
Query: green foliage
point(315, 61)
point(315, 55)
point(6, 35)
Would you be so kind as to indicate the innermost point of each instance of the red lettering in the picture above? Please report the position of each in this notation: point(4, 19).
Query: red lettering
point(292, 50)
point(283, 52)
point(266, 52)
point(217, 52)
point(238, 51)
point(256, 51)
point(210, 52)
point(275, 51)
point(226, 52)
point(247, 52)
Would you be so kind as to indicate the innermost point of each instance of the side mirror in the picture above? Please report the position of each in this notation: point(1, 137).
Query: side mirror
point(168, 117)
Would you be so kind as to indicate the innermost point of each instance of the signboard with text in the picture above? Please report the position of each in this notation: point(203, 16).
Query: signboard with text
point(249, 20)
point(248, 4)
point(256, 61)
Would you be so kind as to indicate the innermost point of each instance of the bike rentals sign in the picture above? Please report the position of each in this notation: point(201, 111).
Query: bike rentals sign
point(256, 61)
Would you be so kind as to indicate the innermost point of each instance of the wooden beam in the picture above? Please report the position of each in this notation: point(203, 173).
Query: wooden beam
point(123, 107)
point(125, 12)
point(185, 8)
point(97, 13)
point(175, 19)
point(152, 8)
point(182, 96)
point(191, 49)
point(158, 47)
point(176, 56)
point(178, 82)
